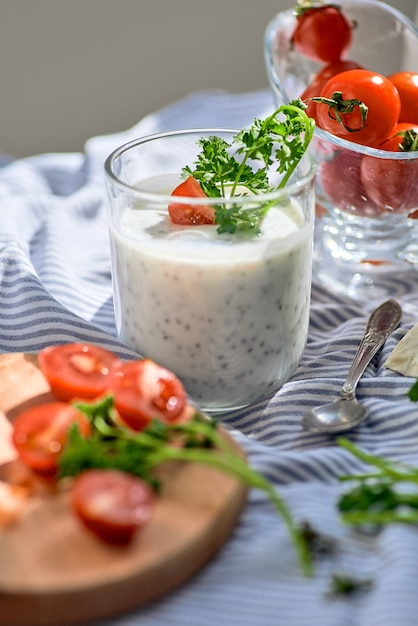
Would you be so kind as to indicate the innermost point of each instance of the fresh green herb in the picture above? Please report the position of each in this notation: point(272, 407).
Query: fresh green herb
point(223, 169)
point(343, 585)
point(377, 497)
point(319, 544)
point(198, 440)
point(413, 392)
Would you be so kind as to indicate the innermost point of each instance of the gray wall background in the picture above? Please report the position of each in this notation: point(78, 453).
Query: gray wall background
point(72, 69)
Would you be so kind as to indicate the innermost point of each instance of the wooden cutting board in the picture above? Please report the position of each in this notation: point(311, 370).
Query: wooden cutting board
point(53, 572)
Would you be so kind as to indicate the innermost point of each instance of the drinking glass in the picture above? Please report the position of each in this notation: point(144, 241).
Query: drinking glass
point(227, 313)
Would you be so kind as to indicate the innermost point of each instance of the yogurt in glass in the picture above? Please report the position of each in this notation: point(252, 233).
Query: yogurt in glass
point(227, 313)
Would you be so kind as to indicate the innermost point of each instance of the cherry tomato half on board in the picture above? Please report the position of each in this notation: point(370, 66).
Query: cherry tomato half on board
point(40, 433)
point(112, 504)
point(321, 33)
point(77, 370)
point(375, 91)
point(189, 214)
point(407, 85)
point(143, 390)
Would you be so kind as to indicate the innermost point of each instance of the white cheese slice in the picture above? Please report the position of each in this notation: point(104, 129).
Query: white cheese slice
point(404, 357)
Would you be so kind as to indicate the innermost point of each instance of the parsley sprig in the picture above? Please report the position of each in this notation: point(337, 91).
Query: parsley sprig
point(199, 440)
point(223, 168)
point(387, 494)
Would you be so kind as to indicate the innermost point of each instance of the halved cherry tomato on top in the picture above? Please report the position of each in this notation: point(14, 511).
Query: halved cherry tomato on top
point(189, 214)
point(322, 33)
point(112, 504)
point(375, 91)
point(77, 370)
point(407, 85)
point(40, 433)
point(143, 390)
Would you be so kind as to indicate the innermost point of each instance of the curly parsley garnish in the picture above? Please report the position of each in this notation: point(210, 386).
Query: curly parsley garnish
point(222, 168)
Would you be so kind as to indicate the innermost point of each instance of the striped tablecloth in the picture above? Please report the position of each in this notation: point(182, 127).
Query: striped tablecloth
point(55, 286)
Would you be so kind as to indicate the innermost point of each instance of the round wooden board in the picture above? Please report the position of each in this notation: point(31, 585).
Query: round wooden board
point(54, 572)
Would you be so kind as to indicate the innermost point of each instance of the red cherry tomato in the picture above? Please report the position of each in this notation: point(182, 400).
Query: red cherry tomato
point(77, 370)
point(189, 214)
point(376, 92)
point(396, 140)
point(407, 85)
point(336, 67)
point(112, 504)
point(391, 184)
point(341, 181)
point(143, 390)
point(313, 90)
point(40, 433)
point(322, 33)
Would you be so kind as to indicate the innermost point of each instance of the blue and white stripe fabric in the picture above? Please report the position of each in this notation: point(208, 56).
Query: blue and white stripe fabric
point(55, 286)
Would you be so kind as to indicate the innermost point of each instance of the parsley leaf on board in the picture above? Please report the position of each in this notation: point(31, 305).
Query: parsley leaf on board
point(111, 445)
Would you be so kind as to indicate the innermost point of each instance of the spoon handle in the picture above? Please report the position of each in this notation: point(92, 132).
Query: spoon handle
point(381, 324)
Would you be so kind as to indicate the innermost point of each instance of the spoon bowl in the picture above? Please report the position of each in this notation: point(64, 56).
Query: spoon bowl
point(346, 412)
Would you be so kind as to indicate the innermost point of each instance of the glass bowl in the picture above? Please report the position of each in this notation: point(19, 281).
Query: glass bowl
point(366, 234)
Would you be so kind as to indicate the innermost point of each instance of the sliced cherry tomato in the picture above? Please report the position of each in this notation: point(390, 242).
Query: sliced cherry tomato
point(189, 214)
point(407, 85)
point(376, 92)
point(143, 390)
point(322, 33)
point(77, 370)
point(112, 504)
point(40, 433)
point(341, 181)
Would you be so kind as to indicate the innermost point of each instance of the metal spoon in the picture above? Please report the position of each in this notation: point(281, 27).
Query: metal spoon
point(346, 412)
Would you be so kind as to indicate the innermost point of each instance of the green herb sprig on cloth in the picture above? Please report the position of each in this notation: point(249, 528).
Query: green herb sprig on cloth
point(198, 441)
point(386, 495)
point(224, 169)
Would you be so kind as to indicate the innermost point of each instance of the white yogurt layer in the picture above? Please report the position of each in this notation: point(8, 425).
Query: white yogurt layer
point(229, 315)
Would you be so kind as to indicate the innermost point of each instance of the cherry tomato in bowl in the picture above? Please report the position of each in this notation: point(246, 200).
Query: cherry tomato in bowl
point(111, 504)
point(143, 390)
point(407, 85)
point(341, 182)
point(401, 140)
point(77, 370)
point(322, 33)
point(372, 89)
point(392, 183)
point(40, 433)
point(313, 89)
